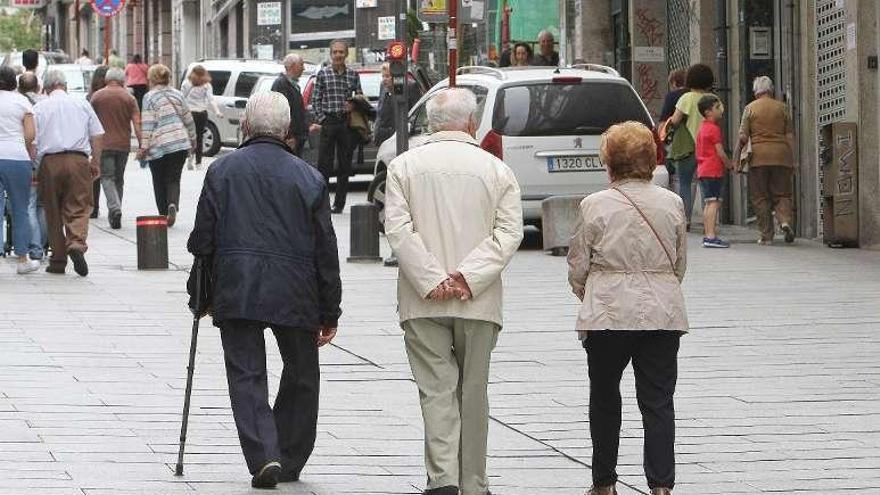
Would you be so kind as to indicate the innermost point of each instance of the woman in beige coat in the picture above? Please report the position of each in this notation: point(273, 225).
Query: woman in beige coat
point(626, 263)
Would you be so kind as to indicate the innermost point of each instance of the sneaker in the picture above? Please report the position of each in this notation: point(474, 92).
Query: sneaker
point(268, 476)
point(172, 214)
point(79, 262)
point(443, 490)
point(788, 232)
point(602, 490)
point(715, 242)
point(27, 266)
point(115, 219)
point(661, 491)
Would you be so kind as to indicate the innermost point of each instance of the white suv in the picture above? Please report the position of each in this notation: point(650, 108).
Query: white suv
point(544, 122)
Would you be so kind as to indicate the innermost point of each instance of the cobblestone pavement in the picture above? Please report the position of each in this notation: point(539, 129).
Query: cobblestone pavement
point(778, 387)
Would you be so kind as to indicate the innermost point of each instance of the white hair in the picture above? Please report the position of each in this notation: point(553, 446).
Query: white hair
point(54, 78)
point(451, 109)
point(292, 59)
point(545, 33)
point(115, 74)
point(762, 85)
point(266, 114)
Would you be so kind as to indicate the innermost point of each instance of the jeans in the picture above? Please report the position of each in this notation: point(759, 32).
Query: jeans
point(287, 431)
point(15, 180)
point(336, 141)
point(166, 172)
point(37, 218)
point(654, 356)
point(685, 169)
point(113, 177)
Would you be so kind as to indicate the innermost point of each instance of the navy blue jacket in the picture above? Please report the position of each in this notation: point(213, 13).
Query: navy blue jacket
point(264, 217)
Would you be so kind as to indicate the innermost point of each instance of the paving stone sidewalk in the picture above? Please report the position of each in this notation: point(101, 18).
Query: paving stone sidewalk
point(779, 380)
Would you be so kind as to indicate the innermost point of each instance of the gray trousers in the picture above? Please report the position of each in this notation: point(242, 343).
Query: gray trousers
point(450, 358)
point(113, 177)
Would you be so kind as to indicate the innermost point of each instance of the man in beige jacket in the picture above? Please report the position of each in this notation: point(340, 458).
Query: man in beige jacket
point(454, 218)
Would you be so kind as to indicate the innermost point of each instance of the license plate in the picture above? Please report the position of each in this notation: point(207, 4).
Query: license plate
point(574, 163)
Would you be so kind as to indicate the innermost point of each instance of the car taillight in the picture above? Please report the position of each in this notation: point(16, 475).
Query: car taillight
point(567, 80)
point(492, 144)
point(661, 150)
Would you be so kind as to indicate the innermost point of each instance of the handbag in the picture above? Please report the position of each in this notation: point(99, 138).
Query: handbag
point(662, 244)
point(200, 286)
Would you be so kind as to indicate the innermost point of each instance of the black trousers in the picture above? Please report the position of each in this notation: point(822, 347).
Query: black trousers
point(201, 121)
point(336, 142)
point(654, 356)
point(166, 172)
point(139, 91)
point(287, 431)
point(96, 196)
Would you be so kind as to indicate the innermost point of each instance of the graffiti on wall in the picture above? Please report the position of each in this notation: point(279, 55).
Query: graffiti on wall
point(648, 83)
point(650, 28)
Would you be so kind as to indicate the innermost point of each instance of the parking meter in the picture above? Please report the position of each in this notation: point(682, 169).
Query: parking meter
point(397, 60)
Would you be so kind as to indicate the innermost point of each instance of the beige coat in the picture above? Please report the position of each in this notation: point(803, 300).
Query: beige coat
point(619, 266)
point(450, 206)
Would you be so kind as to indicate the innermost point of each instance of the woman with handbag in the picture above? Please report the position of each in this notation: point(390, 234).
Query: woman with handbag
point(626, 262)
point(169, 134)
point(766, 127)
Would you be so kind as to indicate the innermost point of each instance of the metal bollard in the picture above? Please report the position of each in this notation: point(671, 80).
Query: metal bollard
point(364, 234)
point(152, 243)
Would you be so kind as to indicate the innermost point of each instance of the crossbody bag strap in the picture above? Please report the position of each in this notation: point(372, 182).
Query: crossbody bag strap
point(660, 240)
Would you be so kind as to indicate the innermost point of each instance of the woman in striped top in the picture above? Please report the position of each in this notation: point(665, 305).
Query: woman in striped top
point(199, 96)
point(169, 134)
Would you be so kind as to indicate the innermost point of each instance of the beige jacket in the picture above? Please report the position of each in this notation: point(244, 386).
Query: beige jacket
point(450, 206)
point(619, 266)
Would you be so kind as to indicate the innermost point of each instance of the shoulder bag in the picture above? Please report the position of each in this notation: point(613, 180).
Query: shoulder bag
point(662, 244)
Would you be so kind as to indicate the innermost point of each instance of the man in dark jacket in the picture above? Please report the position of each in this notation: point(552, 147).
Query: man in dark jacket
point(288, 85)
point(386, 111)
point(264, 219)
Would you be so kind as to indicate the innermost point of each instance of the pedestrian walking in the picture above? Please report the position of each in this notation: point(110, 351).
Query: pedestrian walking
point(136, 78)
point(96, 85)
point(68, 151)
point(766, 123)
point(264, 220)
point(84, 58)
point(168, 134)
point(29, 87)
point(522, 55)
point(334, 87)
point(632, 304)
point(386, 109)
point(115, 61)
point(288, 85)
point(454, 219)
point(712, 161)
point(678, 146)
point(118, 112)
point(30, 59)
point(16, 164)
point(547, 55)
point(699, 81)
point(199, 96)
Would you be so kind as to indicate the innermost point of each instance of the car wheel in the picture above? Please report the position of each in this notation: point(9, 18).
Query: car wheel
point(210, 140)
point(376, 195)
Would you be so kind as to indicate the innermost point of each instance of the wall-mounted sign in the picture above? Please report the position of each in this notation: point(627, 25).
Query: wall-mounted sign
point(386, 28)
point(649, 54)
point(27, 4)
point(366, 4)
point(760, 43)
point(107, 8)
point(317, 20)
point(268, 13)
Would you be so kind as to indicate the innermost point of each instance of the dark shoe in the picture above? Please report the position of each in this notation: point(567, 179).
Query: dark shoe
point(79, 262)
point(337, 210)
point(94, 213)
point(661, 491)
point(172, 214)
point(268, 476)
point(602, 490)
point(443, 490)
point(115, 218)
point(391, 261)
point(788, 232)
point(288, 476)
point(56, 268)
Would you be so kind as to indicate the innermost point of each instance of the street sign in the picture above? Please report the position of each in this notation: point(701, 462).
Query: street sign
point(268, 13)
point(107, 8)
point(27, 4)
point(436, 11)
point(386, 28)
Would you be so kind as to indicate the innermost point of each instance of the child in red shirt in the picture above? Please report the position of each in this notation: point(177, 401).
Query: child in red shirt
point(711, 162)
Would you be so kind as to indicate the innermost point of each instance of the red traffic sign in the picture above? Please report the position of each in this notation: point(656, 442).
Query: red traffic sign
point(107, 8)
point(396, 50)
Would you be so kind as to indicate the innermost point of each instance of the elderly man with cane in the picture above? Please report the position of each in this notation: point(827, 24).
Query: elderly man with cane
point(454, 218)
point(263, 223)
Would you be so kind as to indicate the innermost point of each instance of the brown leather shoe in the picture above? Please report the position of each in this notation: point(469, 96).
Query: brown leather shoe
point(602, 490)
point(661, 491)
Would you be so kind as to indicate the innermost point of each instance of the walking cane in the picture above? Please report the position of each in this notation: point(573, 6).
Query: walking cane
point(197, 266)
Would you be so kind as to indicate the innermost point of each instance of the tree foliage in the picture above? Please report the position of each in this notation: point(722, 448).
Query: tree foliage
point(19, 30)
